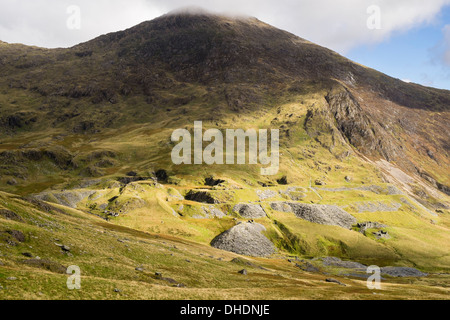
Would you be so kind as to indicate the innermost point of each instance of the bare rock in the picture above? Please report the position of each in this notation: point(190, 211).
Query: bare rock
point(266, 194)
point(250, 211)
point(307, 266)
point(375, 206)
point(319, 182)
point(46, 265)
point(324, 214)
point(18, 235)
point(294, 193)
point(283, 180)
point(382, 234)
point(66, 198)
point(10, 215)
point(402, 272)
point(12, 182)
point(213, 182)
point(202, 197)
point(331, 280)
point(336, 262)
point(281, 206)
point(364, 226)
point(246, 239)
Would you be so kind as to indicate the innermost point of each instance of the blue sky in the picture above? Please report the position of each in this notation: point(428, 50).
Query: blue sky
point(410, 55)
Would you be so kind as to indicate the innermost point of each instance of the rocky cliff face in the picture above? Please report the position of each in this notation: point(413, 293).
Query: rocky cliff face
point(359, 129)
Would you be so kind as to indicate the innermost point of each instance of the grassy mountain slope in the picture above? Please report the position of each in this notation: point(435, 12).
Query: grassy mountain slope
point(88, 129)
point(109, 255)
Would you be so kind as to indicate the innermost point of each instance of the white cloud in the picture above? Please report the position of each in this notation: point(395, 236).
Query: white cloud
point(440, 56)
point(446, 45)
point(337, 24)
point(440, 53)
point(43, 22)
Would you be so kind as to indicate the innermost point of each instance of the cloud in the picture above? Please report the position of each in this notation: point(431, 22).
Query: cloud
point(426, 80)
point(440, 53)
point(44, 22)
point(340, 24)
point(446, 45)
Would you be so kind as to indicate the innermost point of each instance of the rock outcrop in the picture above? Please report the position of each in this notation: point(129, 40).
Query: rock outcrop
point(202, 197)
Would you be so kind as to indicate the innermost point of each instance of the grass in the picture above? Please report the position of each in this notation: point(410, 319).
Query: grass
point(145, 148)
point(109, 264)
point(415, 241)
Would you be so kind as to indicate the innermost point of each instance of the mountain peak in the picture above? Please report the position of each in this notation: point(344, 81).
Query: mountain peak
point(199, 11)
point(189, 10)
